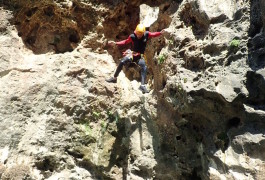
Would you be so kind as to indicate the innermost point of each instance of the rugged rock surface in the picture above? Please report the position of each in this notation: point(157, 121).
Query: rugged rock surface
point(203, 118)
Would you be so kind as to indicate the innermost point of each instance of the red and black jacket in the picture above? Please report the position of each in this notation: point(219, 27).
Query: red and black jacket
point(139, 45)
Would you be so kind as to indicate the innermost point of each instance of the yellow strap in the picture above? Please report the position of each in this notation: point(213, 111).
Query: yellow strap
point(145, 59)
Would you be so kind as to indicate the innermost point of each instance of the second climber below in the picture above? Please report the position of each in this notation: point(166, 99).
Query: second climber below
point(138, 39)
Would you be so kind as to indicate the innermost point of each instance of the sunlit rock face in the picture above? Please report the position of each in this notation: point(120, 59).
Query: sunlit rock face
point(203, 119)
point(50, 26)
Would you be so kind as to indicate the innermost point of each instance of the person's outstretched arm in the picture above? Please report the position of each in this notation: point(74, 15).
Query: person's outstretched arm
point(155, 34)
point(120, 43)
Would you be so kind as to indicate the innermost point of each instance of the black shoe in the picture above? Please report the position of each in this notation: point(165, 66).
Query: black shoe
point(112, 80)
point(143, 89)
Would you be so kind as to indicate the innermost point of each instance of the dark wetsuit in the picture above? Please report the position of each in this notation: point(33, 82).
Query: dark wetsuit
point(139, 46)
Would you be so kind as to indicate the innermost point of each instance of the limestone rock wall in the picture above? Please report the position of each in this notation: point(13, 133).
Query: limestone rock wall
point(203, 118)
point(51, 26)
point(213, 89)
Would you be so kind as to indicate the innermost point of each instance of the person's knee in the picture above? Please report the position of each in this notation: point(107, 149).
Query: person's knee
point(125, 60)
point(142, 64)
point(144, 69)
point(122, 62)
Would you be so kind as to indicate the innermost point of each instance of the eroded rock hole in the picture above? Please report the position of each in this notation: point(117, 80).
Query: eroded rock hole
point(74, 38)
point(233, 123)
point(32, 11)
point(218, 19)
point(75, 153)
point(45, 165)
point(165, 8)
point(44, 26)
point(49, 11)
point(178, 137)
point(198, 23)
point(172, 91)
point(164, 83)
point(31, 40)
point(222, 141)
point(195, 174)
point(194, 63)
point(239, 14)
point(212, 50)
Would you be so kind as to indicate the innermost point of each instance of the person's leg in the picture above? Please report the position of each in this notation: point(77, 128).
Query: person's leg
point(118, 70)
point(141, 63)
point(124, 61)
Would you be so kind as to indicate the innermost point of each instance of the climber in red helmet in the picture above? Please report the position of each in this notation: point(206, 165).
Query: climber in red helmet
point(138, 39)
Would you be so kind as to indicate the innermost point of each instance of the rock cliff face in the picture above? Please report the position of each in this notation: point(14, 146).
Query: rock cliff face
point(203, 118)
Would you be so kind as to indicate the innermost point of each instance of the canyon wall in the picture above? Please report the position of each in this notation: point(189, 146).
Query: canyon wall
point(203, 118)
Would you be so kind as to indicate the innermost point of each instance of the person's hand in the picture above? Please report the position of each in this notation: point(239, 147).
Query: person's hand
point(111, 43)
point(163, 31)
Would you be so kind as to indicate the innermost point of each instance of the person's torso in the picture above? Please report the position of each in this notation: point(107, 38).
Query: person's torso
point(139, 45)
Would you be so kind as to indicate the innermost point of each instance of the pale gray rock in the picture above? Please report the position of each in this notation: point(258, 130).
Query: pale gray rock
point(203, 119)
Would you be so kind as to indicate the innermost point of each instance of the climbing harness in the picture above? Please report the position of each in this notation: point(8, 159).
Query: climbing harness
point(130, 54)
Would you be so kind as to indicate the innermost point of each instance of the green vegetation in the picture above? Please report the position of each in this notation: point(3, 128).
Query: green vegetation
point(180, 88)
point(234, 43)
point(185, 80)
point(170, 42)
point(180, 93)
point(222, 141)
point(103, 125)
point(98, 121)
point(96, 114)
point(112, 117)
point(162, 58)
point(87, 129)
